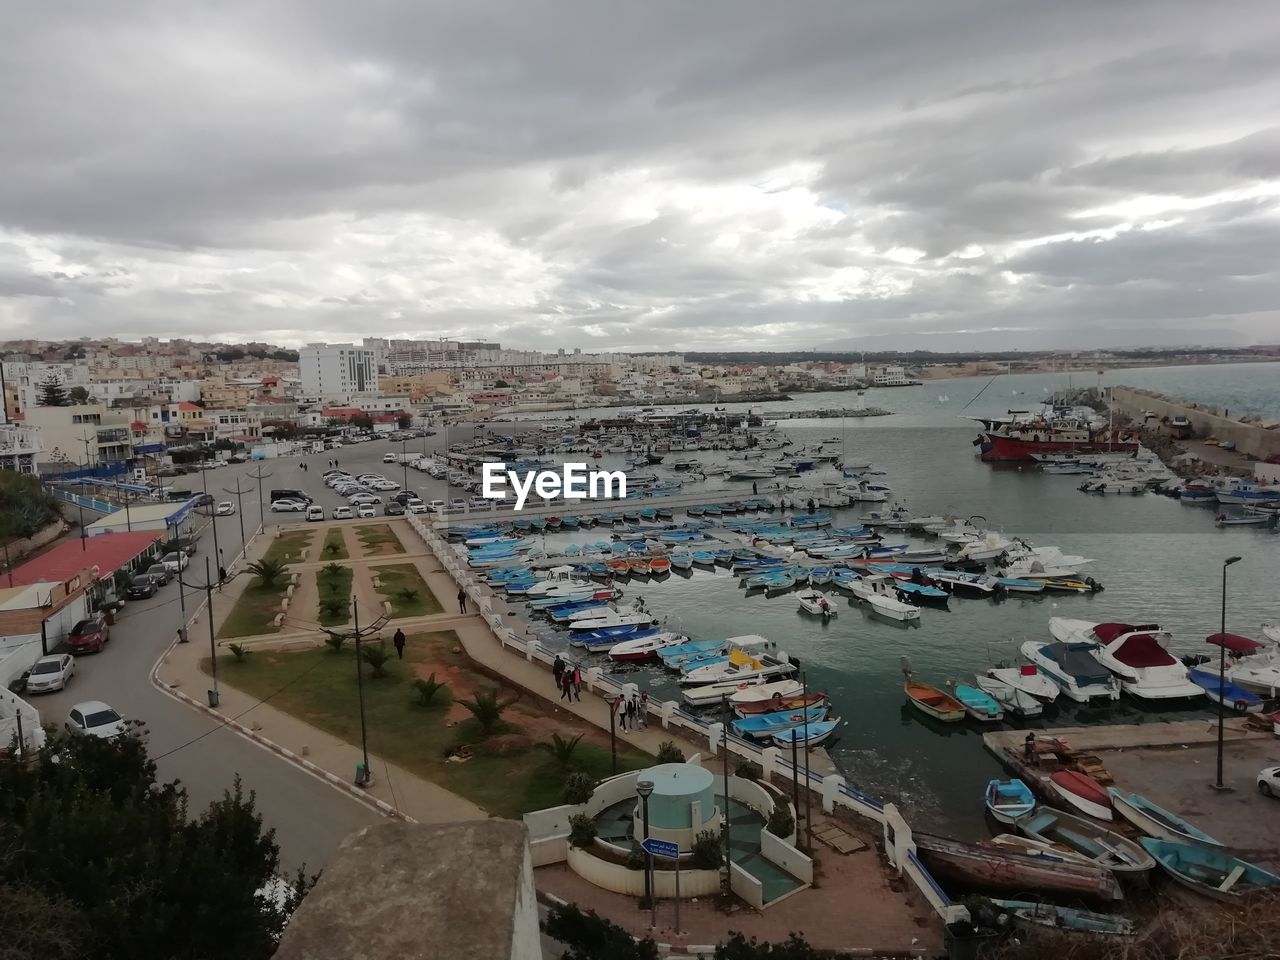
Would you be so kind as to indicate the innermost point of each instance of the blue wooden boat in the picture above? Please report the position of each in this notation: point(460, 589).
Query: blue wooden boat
point(674, 657)
point(919, 593)
point(1066, 918)
point(569, 523)
point(1020, 585)
point(1208, 871)
point(703, 558)
point(978, 703)
point(1156, 821)
point(767, 724)
point(610, 636)
point(776, 580)
point(1232, 695)
point(818, 732)
point(819, 575)
point(1009, 799)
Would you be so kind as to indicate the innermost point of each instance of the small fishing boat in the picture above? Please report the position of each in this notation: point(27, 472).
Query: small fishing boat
point(1231, 695)
point(1243, 520)
point(612, 621)
point(673, 658)
point(1156, 821)
point(1082, 793)
point(921, 593)
point(819, 576)
point(619, 566)
point(879, 593)
point(933, 702)
point(777, 703)
point(811, 601)
point(660, 566)
point(1010, 697)
point(1027, 678)
point(638, 567)
point(738, 666)
point(978, 703)
point(1118, 854)
point(991, 866)
point(644, 648)
point(1066, 918)
point(680, 560)
point(817, 734)
point(1009, 799)
point(1213, 873)
point(767, 724)
point(763, 693)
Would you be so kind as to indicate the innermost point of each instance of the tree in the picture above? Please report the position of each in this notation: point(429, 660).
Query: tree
point(486, 709)
point(113, 866)
point(590, 936)
point(738, 947)
point(25, 505)
point(501, 385)
point(668, 752)
point(268, 572)
point(562, 749)
point(427, 689)
point(50, 392)
point(363, 421)
point(578, 787)
point(79, 395)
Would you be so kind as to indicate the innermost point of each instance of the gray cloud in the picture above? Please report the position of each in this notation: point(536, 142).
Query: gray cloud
point(641, 175)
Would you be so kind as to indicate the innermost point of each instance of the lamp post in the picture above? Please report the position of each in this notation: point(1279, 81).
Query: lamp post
point(1222, 672)
point(244, 543)
point(612, 699)
point(404, 462)
point(644, 788)
point(724, 749)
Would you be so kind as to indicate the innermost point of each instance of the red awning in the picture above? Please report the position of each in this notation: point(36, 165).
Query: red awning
point(1234, 642)
point(1106, 632)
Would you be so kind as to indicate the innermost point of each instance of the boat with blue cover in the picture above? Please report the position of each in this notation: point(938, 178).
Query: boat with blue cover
point(1231, 695)
point(1156, 821)
point(611, 636)
point(1208, 871)
point(1009, 799)
point(813, 735)
point(978, 703)
point(674, 657)
point(919, 593)
point(774, 580)
point(767, 724)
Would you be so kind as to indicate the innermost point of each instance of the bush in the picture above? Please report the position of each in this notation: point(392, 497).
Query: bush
point(562, 749)
point(781, 822)
point(668, 752)
point(707, 852)
point(746, 770)
point(238, 650)
point(335, 641)
point(635, 859)
point(268, 572)
point(487, 711)
point(582, 831)
point(408, 594)
point(332, 570)
point(427, 689)
point(589, 936)
point(738, 947)
point(376, 657)
point(578, 788)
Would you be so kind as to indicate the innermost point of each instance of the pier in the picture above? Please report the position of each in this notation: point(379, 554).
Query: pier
point(1251, 438)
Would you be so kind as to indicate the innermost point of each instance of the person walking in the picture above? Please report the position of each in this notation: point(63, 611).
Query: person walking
point(1029, 749)
point(398, 640)
point(577, 682)
point(644, 708)
point(620, 708)
point(566, 685)
point(557, 668)
point(754, 490)
point(631, 711)
point(462, 600)
point(222, 577)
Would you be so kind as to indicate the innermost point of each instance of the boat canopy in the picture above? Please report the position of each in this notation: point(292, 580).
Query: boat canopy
point(1234, 642)
point(1143, 650)
point(1106, 632)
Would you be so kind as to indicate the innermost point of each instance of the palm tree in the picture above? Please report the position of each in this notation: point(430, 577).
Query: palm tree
point(486, 709)
point(268, 572)
point(562, 749)
point(377, 658)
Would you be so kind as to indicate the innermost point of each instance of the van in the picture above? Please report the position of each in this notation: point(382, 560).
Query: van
point(289, 495)
point(315, 512)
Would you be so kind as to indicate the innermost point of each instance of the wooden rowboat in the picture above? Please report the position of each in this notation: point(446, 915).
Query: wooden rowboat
point(1082, 794)
point(996, 868)
point(1213, 873)
point(1093, 840)
point(776, 703)
point(933, 702)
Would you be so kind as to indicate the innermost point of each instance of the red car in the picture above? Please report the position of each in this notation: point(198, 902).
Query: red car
point(88, 636)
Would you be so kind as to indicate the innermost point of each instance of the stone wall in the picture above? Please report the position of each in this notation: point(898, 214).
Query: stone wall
point(1249, 438)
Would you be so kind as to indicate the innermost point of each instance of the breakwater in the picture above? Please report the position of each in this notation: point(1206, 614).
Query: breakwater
point(1250, 437)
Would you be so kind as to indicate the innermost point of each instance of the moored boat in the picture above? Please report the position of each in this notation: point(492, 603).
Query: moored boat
point(1102, 846)
point(978, 703)
point(644, 648)
point(1082, 793)
point(1156, 821)
point(767, 724)
point(1009, 799)
point(1074, 669)
point(777, 703)
point(1010, 697)
point(1029, 679)
point(1231, 695)
point(1211, 872)
point(933, 702)
point(811, 601)
point(806, 736)
point(753, 695)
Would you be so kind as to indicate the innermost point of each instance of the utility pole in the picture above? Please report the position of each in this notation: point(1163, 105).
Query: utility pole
point(262, 513)
point(1222, 673)
point(244, 543)
point(404, 462)
point(364, 774)
point(213, 512)
point(808, 786)
point(724, 747)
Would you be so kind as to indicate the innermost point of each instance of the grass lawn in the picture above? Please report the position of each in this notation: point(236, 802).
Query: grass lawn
point(335, 545)
point(508, 774)
point(287, 546)
point(397, 577)
point(378, 540)
point(254, 611)
point(334, 583)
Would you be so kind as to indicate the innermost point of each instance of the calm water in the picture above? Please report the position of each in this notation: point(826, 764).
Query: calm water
point(1159, 560)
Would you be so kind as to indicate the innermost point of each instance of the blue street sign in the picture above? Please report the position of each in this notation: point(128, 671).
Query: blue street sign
point(662, 848)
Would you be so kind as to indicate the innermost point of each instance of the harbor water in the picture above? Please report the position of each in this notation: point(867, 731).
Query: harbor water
point(1160, 562)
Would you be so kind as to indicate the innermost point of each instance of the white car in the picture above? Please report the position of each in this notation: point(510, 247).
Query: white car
point(176, 561)
point(457, 503)
point(388, 458)
point(315, 512)
point(438, 506)
point(363, 499)
point(366, 510)
point(225, 509)
point(1269, 782)
point(481, 503)
point(416, 506)
point(343, 513)
point(95, 719)
point(385, 485)
point(370, 477)
point(287, 506)
point(51, 673)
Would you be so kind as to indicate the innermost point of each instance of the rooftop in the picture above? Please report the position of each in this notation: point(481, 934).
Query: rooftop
point(63, 562)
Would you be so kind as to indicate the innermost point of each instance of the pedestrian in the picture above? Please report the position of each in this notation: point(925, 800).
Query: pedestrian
point(566, 685)
point(577, 682)
point(182, 634)
point(398, 640)
point(619, 707)
point(557, 668)
point(1029, 749)
point(754, 490)
point(222, 577)
point(462, 600)
point(631, 711)
point(811, 504)
point(644, 708)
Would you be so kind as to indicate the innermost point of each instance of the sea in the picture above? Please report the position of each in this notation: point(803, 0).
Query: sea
point(1159, 560)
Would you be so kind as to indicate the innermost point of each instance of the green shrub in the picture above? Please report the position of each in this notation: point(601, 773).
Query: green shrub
point(707, 851)
point(635, 859)
point(335, 641)
point(582, 831)
point(376, 656)
point(781, 822)
point(746, 770)
point(427, 689)
point(238, 650)
point(668, 752)
point(578, 788)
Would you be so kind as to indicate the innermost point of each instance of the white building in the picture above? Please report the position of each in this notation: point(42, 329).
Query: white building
point(337, 370)
point(19, 447)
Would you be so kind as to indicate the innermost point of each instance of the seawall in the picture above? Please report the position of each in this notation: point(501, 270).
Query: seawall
point(1249, 438)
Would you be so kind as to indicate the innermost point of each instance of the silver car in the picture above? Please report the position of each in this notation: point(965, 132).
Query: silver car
point(51, 673)
point(94, 718)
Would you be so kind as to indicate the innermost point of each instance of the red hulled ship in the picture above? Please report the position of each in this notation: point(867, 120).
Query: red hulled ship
point(1028, 439)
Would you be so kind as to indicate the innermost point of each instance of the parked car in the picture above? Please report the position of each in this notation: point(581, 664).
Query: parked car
point(159, 574)
point(366, 510)
point(437, 506)
point(1269, 782)
point(95, 719)
point(388, 458)
point(364, 499)
point(288, 506)
point(176, 561)
point(343, 513)
point(140, 588)
point(225, 509)
point(204, 500)
point(315, 512)
point(481, 503)
point(457, 503)
point(416, 506)
point(51, 673)
point(89, 636)
point(393, 509)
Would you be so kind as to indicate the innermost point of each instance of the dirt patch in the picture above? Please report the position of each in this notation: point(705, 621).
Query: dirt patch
point(378, 540)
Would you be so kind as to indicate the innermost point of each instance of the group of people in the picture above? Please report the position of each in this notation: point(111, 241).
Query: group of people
point(568, 678)
point(633, 711)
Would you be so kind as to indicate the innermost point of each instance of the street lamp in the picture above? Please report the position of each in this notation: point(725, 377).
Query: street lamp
point(644, 788)
point(1222, 671)
point(612, 699)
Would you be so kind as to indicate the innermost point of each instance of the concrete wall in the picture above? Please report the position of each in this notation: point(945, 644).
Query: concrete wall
point(526, 939)
point(11, 706)
point(786, 856)
point(746, 886)
point(1205, 421)
point(19, 548)
point(618, 878)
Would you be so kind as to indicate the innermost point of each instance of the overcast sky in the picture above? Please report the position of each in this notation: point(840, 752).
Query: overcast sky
point(696, 174)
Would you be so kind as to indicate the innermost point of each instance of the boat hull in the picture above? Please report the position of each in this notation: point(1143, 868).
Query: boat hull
point(1162, 828)
point(995, 869)
point(1000, 448)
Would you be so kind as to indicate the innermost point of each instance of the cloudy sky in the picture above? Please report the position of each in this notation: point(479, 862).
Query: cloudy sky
point(744, 174)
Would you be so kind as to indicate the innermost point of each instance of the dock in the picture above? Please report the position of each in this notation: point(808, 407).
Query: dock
point(1177, 733)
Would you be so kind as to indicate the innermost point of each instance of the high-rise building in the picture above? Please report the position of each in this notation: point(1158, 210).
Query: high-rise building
point(337, 370)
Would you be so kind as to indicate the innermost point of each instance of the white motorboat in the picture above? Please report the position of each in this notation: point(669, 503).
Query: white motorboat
point(1074, 668)
point(1138, 655)
point(1028, 678)
point(1258, 672)
point(760, 692)
point(1271, 630)
point(645, 648)
point(738, 666)
point(811, 601)
point(864, 493)
point(987, 548)
point(1023, 560)
point(710, 693)
point(1009, 697)
point(881, 594)
point(961, 534)
point(611, 620)
point(559, 580)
